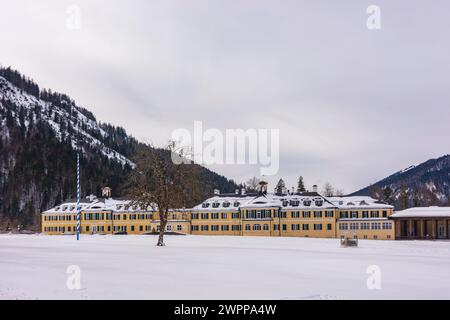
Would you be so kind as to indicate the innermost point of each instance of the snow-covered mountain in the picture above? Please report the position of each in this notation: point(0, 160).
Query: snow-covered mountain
point(40, 131)
point(68, 121)
point(424, 184)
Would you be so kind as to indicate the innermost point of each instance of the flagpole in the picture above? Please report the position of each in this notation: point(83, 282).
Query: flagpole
point(78, 197)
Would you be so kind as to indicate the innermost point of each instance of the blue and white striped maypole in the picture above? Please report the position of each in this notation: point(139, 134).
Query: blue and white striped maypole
point(78, 197)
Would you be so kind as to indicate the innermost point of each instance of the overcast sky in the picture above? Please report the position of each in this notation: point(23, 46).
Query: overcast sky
point(353, 105)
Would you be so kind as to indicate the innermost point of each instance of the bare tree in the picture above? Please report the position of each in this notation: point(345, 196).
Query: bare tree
point(252, 185)
point(163, 185)
point(339, 193)
point(328, 190)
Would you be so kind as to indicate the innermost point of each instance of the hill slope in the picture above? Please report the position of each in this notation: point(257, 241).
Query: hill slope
point(39, 133)
point(425, 184)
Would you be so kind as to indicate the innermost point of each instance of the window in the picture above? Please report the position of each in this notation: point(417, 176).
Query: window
point(179, 228)
point(354, 226)
point(205, 205)
point(266, 227)
point(305, 227)
point(224, 216)
point(329, 226)
point(374, 214)
point(205, 216)
point(225, 227)
point(132, 228)
point(295, 203)
point(317, 214)
point(276, 227)
point(306, 214)
point(235, 215)
point(343, 226)
point(205, 228)
point(168, 228)
point(216, 204)
point(214, 216)
point(376, 226)
point(248, 227)
point(387, 226)
point(317, 227)
point(194, 216)
point(365, 214)
point(307, 203)
point(354, 214)
point(365, 226)
point(284, 227)
point(343, 215)
point(141, 228)
point(236, 227)
point(194, 228)
point(329, 214)
point(295, 214)
point(319, 202)
point(256, 227)
point(295, 227)
point(215, 228)
point(384, 214)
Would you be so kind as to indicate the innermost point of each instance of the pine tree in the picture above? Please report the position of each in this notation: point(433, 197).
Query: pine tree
point(280, 188)
point(300, 185)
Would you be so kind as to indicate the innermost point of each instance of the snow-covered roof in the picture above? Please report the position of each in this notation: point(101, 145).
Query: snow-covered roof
point(423, 212)
point(356, 202)
point(99, 205)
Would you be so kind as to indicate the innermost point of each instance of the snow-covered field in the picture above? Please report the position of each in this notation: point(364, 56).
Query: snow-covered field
point(201, 267)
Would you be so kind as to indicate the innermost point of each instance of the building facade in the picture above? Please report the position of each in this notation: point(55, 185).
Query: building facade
point(239, 214)
point(422, 223)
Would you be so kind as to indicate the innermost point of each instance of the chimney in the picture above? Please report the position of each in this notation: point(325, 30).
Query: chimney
point(216, 192)
point(315, 188)
point(236, 191)
point(243, 191)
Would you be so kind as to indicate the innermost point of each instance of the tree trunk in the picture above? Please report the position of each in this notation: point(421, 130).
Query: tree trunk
point(161, 238)
point(162, 229)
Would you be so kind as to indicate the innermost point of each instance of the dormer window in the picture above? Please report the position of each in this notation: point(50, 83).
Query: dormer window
point(57, 208)
point(72, 208)
point(205, 205)
point(216, 205)
point(307, 203)
point(285, 203)
point(350, 204)
point(295, 203)
point(226, 204)
point(236, 204)
point(64, 208)
point(319, 202)
point(127, 208)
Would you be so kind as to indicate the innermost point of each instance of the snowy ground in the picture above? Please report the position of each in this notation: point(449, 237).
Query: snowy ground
point(201, 267)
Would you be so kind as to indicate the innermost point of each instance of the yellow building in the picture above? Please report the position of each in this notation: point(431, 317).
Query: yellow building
point(239, 214)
